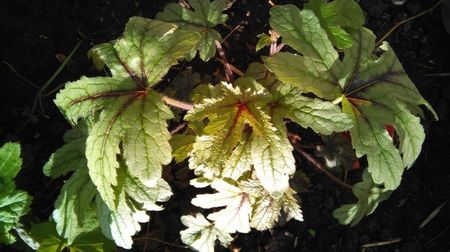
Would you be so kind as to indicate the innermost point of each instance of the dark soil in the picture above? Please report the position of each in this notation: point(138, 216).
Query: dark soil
point(36, 35)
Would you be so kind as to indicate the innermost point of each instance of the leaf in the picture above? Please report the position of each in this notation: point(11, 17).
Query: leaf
point(74, 212)
point(266, 210)
point(321, 116)
point(302, 31)
point(203, 18)
point(13, 203)
point(263, 41)
point(135, 199)
point(374, 90)
point(336, 17)
point(235, 216)
point(10, 161)
point(369, 196)
point(201, 235)
point(240, 133)
point(181, 146)
point(71, 156)
point(129, 113)
point(49, 241)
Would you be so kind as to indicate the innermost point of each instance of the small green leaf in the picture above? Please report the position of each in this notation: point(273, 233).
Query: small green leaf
point(71, 156)
point(203, 18)
point(201, 235)
point(336, 17)
point(10, 161)
point(369, 196)
point(181, 145)
point(263, 41)
point(49, 240)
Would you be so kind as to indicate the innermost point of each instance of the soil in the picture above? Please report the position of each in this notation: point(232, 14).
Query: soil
point(37, 35)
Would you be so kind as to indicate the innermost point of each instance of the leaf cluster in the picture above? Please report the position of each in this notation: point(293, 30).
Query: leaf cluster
point(333, 78)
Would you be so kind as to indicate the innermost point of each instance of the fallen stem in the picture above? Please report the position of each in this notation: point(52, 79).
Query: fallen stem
point(177, 104)
point(160, 241)
point(37, 98)
point(230, 33)
point(27, 81)
point(316, 164)
point(405, 21)
point(382, 243)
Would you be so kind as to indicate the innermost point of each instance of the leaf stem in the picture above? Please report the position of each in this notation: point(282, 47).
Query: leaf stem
point(177, 104)
point(228, 71)
point(320, 167)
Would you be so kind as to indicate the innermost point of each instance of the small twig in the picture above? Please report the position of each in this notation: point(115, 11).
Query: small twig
point(438, 74)
point(378, 244)
point(177, 104)
point(178, 128)
point(160, 241)
point(405, 21)
point(228, 71)
point(320, 167)
point(27, 81)
point(438, 235)
point(231, 32)
point(271, 3)
point(233, 68)
point(37, 98)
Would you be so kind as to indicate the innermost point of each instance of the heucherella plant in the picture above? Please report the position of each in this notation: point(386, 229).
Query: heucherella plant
point(333, 78)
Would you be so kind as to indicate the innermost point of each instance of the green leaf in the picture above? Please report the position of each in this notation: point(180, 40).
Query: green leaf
point(181, 145)
point(201, 235)
point(49, 240)
point(308, 74)
point(377, 92)
point(128, 112)
point(369, 196)
point(374, 89)
point(263, 41)
point(13, 203)
point(321, 116)
point(135, 199)
point(74, 212)
point(203, 18)
point(10, 161)
point(302, 31)
point(289, 102)
point(336, 17)
point(71, 156)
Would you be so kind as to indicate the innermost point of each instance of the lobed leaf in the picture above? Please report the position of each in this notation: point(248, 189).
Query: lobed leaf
point(203, 18)
point(130, 116)
point(201, 235)
point(369, 196)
